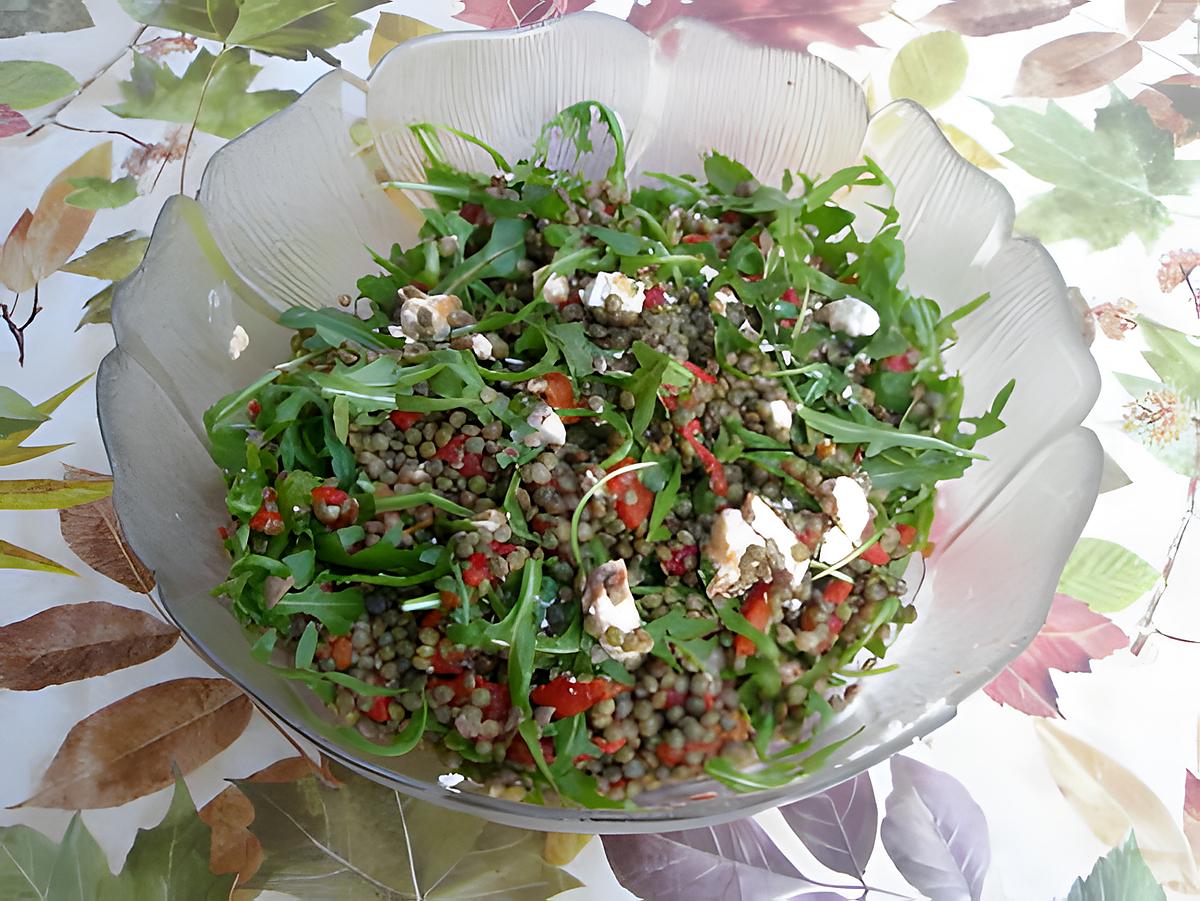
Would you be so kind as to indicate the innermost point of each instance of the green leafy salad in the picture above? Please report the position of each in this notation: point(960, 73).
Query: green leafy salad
point(597, 488)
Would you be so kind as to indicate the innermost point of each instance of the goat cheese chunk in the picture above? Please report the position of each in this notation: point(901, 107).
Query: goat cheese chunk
point(630, 293)
point(852, 515)
point(608, 598)
point(850, 316)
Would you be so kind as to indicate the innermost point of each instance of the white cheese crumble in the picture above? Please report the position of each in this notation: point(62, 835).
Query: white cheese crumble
point(549, 426)
point(721, 299)
point(481, 347)
point(850, 316)
point(556, 290)
point(780, 414)
point(608, 598)
point(630, 292)
point(756, 524)
point(852, 515)
point(709, 273)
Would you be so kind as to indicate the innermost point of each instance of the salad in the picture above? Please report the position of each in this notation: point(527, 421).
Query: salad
point(596, 487)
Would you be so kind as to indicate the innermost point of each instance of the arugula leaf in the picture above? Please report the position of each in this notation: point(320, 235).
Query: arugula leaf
point(878, 436)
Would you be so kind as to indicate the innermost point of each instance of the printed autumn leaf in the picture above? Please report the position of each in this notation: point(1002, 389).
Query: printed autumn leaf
point(1105, 576)
point(111, 259)
point(1107, 180)
point(155, 92)
point(78, 641)
point(50, 494)
point(11, 450)
point(102, 194)
point(170, 860)
point(929, 69)
point(364, 839)
point(393, 30)
point(732, 860)
point(980, 18)
point(28, 83)
point(44, 17)
point(1152, 20)
point(1191, 811)
point(93, 532)
point(13, 557)
point(934, 832)
point(1076, 63)
point(793, 25)
point(1174, 106)
point(561, 848)
point(315, 33)
point(12, 122)
point(1120, 874)
point(968, 148)
point(160, 47)
point(1112, 800)
point(1116, 318)
point(43, 240)
point(838, 825)
point(234, 847)
point(17, 414)
point(1162, 423)
point(1071, 639)
point(127, 749)
point(167, 861)
point(511, 13)
point(173, 147)
point(1175, 267)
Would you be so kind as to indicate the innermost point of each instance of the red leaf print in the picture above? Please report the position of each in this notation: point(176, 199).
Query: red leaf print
point(1071, 639)
point(11, 122)
point(1191, 811)
point(1175, 267)
point(793, 25)
point(511, 13)
point(160, 47)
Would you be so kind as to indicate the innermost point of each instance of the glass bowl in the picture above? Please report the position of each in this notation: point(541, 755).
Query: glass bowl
point(285, 216)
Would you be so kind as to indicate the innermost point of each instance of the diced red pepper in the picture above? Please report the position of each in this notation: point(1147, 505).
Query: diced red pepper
point(560, 394)
point(451, 453)
point(541, 523)
point(450, 600)
point(609, 747)
point(678, 564)
point(671, 403)
point(825, 450)
point(635, 513)
point(342, 652)
point(431, 620)
point(334, 497)
point(404, 419)
point(693, 239)
point(269, 522)
point(379, 710)
point(731, 216)
point(446, 666)
point(876, 556)
point(675, 698)
point(835, 625)
point(790, 296)
point(810, 538)
point(897, 363)
point(674, 756)
point(716, 472)
point(477, 569)
point(503, 548)
point(472, 212)
point(757, 612)
point(656, 296)
point(837, 591)
point(700, 373)
point(253, 408)
point(472, 465)
point(222, 533)
point(907, 533)
point(518, 752)
point(610, 208)
point(569, 697)
point(787, 323)
point(753, 278)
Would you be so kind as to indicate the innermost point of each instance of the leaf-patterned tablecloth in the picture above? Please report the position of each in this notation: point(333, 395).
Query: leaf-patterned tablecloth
point(1078, 760)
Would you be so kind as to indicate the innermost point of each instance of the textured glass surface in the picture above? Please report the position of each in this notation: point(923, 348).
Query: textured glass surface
point(285, 216)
